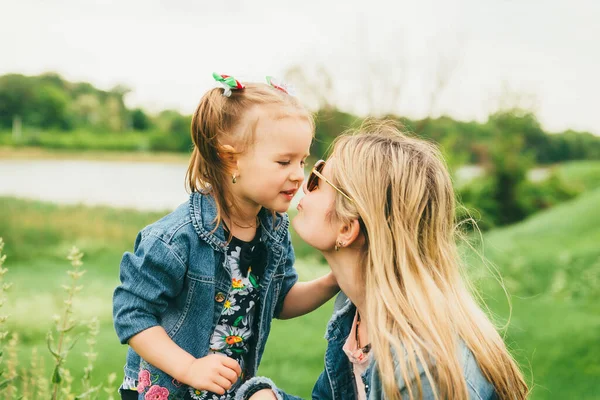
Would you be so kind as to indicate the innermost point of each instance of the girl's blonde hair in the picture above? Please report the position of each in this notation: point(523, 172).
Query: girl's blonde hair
point(219, 120)
point(417, 302)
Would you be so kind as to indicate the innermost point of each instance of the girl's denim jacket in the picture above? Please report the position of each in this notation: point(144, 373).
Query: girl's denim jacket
point(178, 278)
point(336, 382)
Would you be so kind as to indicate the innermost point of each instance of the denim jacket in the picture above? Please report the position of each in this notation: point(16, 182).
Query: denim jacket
point(337, 382)
point(178, 278)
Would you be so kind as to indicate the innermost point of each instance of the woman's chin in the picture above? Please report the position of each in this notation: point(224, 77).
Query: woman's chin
point(295, 224)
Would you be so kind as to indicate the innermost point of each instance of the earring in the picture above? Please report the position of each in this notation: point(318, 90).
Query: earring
point(233, 178)
point(338, 244)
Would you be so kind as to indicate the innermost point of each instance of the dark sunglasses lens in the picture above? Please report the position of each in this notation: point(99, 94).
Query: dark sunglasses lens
point(313, 182)
point(313, 179)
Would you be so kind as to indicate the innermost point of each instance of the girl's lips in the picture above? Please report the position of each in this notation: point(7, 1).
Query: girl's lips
point(289, 194)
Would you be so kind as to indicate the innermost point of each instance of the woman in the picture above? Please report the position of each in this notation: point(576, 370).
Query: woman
point(381, 210)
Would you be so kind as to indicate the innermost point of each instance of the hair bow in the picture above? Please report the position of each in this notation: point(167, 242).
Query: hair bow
point(275, 83)
point(228, 83)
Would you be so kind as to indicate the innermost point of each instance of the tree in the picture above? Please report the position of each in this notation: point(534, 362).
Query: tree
point(16, 97)
point(508, 169)
point(139, 120)
point(51, 108)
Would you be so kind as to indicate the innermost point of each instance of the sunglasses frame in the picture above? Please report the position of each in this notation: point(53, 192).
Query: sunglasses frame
point(315, 172)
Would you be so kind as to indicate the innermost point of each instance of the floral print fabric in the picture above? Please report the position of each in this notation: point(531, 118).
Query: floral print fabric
point(234, 330)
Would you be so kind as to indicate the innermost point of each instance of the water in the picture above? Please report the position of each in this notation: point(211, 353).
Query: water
point(146, 186)
point(142, 186)
point(138, 185)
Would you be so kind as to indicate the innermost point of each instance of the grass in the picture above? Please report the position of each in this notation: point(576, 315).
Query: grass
point(550, 264)
point(583, 174)
point(551, 267)
point(38, 236)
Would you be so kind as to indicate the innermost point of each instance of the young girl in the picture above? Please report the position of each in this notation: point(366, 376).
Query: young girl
point(381, 210)
point(198, 293)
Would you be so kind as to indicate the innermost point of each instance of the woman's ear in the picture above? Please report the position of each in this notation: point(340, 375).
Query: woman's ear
point(348, 234)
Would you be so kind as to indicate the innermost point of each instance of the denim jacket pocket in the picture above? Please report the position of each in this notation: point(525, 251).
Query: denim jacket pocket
point(191, 286)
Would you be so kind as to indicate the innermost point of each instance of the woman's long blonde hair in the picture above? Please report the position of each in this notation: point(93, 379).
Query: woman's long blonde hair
point(417, 302)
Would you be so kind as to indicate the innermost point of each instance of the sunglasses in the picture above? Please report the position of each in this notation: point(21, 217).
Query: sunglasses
point(315, 174)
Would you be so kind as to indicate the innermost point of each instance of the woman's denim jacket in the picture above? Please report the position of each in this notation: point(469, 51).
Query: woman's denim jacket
point(178, 278)
point(337, 381)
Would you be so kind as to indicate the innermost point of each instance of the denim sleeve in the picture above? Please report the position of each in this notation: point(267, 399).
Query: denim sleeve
point(321, 391)
point(322, 388)
point(290, 275)
point(253, 385)
point(150, 276)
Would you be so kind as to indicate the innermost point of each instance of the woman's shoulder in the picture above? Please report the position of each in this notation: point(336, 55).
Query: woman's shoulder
point(477, 384)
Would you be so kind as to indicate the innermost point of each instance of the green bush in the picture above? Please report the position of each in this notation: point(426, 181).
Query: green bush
point(536, 196)
point(478, 202)
point(171, 142)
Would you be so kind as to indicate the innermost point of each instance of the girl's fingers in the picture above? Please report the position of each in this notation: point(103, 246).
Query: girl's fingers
point(229, 374)
point(234, 365)
point(213, 387)
point(223, 382)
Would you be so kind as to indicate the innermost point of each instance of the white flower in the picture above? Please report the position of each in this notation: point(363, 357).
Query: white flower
point(234, 262)
point(227, 337)
point(229, 307)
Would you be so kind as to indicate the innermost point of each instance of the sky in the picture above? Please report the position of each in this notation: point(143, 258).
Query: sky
point(463, 58)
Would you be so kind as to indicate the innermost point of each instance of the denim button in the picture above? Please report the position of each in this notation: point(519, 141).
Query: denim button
point(220, 297)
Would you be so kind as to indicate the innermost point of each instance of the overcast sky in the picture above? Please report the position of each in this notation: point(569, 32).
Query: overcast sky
point(542, 54)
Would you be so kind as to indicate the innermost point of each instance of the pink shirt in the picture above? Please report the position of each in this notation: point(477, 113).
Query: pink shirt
point(360, 361)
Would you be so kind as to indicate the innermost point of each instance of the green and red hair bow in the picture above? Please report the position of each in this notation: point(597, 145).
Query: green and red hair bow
point(228, 83)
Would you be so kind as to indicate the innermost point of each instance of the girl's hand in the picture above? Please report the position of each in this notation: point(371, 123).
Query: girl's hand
point(215, 373)
point(265, 394)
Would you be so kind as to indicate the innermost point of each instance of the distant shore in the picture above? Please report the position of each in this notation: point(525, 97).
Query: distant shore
point(37, 153)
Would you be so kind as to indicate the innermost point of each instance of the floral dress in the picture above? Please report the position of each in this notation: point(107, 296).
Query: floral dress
point(235, 327)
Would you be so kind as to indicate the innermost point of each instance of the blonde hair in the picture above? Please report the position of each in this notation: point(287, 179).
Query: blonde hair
point(218, 120)
point(416, 299)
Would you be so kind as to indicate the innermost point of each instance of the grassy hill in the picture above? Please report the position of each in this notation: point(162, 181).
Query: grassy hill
point(583, 174)
point(551, 267)
point(550, 264)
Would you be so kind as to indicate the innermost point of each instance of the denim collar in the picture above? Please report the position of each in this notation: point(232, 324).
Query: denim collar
point(203, 211)
point(343, 314)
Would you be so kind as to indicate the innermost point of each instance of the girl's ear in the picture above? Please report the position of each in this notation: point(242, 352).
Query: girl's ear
point(349, 233)
point(228, 156)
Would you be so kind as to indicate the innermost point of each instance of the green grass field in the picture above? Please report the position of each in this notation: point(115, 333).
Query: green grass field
point(583, 174)
point(550, 264)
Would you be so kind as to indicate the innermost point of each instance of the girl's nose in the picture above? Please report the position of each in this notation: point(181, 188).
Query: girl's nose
point(298, 175)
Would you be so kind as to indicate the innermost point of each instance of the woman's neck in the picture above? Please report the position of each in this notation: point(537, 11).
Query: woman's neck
point(345, 265)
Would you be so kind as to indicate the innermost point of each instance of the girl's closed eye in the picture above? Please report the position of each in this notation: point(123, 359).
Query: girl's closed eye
point(286, 163)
